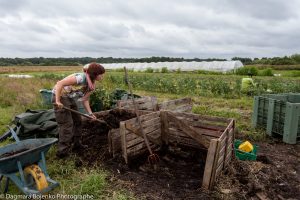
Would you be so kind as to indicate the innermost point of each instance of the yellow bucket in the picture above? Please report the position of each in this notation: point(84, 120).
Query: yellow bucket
point(246, 147)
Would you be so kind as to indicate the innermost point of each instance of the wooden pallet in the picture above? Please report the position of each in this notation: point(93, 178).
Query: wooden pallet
point(114, 137)
point(215, 134)
point(144, 103)
point(150, 103)
point(177, 105)
point(132, 141)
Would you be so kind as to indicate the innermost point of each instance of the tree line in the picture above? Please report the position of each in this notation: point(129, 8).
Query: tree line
point(42, 61)
point(286, 60)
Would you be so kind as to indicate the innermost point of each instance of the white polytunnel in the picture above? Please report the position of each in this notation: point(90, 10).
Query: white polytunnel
point(220, 66)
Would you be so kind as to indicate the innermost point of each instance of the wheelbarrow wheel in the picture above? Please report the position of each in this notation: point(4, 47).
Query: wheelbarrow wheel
point(35, 177)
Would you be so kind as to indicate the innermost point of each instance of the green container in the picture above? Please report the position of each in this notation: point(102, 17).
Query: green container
point(242, 155)
point(278, 114)
point(80, 107)
point(47, 100)
point(247, 85)
point(47, 97)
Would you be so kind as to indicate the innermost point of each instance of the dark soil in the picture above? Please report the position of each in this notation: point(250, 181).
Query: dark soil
point(275, 174)
point(12, 153)
point(179, 173)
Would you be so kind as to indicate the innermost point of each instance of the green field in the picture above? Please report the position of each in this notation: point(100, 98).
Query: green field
point(216, 95)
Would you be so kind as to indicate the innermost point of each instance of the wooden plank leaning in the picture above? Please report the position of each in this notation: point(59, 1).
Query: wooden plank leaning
point(190, 131)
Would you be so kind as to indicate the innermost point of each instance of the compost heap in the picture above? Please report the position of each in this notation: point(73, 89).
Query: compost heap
point(178, 174)
point(275, 174)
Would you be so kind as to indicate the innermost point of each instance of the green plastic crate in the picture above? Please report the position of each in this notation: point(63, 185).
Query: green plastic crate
point(47, 97)
point(242, 155)
point(278, 114)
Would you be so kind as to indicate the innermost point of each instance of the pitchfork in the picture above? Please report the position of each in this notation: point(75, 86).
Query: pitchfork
point(152, 158)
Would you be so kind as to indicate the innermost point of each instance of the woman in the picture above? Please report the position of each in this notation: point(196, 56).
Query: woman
point(65, 93)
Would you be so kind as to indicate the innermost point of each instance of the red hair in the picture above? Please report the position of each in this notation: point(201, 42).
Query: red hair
point(94, 70)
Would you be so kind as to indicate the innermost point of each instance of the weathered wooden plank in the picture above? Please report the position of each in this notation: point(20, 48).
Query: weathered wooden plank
point(184, 108)
point(202, 125)
point(185, 142)
point(213, 176)
point(221, 159)
point(145, 103)
point(192, 120)
point(164, 127)
point(124, 142)
point(141, 151)
point(146, 129)
point(178, 132)
point(228, 158)
point(137, 101)
point(203, 117)
point(173, 104)
point(223, 142)
point(134, 142)
point(222, 150)
point(210, 160)
point(230, 125)
point(213, 119)
point(149, 137)
point(231, 138)
point(114, 141)
point(206, 132)
point(219, 169)
point(130, 135)
point(138, 147)
point(145, 124)
point(223, 135)
point(143, 118)
point(190, 131)
point(156, 133)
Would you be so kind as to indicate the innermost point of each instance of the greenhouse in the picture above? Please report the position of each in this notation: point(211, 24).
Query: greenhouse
point(219, 66)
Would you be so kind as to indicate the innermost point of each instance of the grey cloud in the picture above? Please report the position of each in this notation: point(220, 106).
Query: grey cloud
point(145, 28)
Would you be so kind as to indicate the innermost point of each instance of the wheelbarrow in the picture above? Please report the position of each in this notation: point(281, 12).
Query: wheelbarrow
point(24, 164)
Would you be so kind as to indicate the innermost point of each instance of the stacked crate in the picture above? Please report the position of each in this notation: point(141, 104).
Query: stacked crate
point(278, 114)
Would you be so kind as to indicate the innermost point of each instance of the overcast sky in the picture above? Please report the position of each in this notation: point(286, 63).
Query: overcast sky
point(140, 28)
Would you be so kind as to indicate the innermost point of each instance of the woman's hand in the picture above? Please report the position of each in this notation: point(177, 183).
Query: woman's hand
point(59, 105)
point(92, 115)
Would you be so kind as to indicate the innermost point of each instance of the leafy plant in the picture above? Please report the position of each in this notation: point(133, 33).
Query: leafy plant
point(100, 100)
point(266, 72)
point(164, 70)
point(247, 70)
point(149, 70)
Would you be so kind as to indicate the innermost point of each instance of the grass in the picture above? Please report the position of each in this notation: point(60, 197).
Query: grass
point(17, 95)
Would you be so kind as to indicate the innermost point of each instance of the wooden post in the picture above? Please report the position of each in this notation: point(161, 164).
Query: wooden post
point(164, 127)
point(209, 164)
point(123, 141)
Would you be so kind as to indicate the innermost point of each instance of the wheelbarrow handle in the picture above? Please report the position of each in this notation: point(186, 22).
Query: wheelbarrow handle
point(14, 134)
point(5, 135)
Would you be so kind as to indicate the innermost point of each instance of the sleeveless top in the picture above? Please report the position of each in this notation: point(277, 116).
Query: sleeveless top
point(75, 91)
